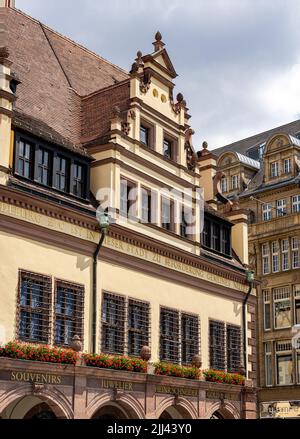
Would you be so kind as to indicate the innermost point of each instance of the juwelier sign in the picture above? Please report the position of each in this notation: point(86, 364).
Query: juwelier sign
point(280, 409)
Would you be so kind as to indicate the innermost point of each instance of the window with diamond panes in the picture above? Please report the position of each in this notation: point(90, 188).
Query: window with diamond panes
point(34, 307)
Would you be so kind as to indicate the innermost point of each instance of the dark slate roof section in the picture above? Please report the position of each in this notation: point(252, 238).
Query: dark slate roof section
point(243, 145)
point(217, 213)
point(264, 187)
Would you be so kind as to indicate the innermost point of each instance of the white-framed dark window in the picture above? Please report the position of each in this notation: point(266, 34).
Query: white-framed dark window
point(78, 180)
point(285, 254)
point(274, 169)
point(69, 312)
point(295, 253)
point(284, 363)
point(216, 236)
point(281, 207)
point(265, 248)
point(51, 165)
point(62, 173)
point(267, 309)
point(24, 158)
point(282, 307)
point(296, 203)
point(267, 212)
point(275, 257)
point(287, 166)
point(224, 185)
point(268, 364)
point(34, 307)
point(234, 182)
point(44, 164)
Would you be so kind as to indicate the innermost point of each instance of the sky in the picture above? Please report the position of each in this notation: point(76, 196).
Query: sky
point(238, 61)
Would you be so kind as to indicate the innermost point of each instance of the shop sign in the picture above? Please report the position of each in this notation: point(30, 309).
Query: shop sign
point(280, 409)
point(177, 391)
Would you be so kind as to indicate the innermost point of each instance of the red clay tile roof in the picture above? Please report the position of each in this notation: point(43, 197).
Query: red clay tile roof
point(55, 73)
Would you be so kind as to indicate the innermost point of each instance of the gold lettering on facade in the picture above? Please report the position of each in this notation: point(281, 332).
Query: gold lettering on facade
point(121, 385)
point(30, 377)
point(180, 391)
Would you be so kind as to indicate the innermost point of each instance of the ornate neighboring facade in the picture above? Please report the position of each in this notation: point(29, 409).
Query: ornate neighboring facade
point(261, 174)
point(77, 132)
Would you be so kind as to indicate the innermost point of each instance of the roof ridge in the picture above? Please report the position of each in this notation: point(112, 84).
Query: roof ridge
point(70, 40)
point(255, 135)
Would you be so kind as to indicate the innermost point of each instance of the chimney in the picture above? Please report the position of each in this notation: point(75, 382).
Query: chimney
point(7, 3)
point(207, 162)
point(239, 233)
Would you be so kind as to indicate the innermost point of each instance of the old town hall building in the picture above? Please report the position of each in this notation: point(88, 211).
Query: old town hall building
point(79, 134)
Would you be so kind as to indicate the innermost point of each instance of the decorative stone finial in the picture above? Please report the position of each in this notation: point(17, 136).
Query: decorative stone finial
point(196, 361)
point(158, 44)
point(205, 145)
point(76, 344)
point(179, 97)
point(139, 60)
point(145, 353)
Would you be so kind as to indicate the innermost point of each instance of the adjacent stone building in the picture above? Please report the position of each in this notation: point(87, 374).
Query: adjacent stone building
point(261, 175)
point(76, 133)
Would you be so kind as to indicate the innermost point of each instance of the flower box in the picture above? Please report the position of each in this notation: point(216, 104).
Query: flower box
point(174, 370)
point(31, 352)
point(105, 361)
point(218, 376)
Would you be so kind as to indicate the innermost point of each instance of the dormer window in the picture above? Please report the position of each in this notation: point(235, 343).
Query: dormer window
point(274, 169)
point(287, 166)
point(78, 180)
point(62, 174)
point(234, 182)
point(44, 172)
point(24, 159)
point(51, 166)
point(216, 235)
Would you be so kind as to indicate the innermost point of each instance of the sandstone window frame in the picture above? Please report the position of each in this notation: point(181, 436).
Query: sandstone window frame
point(130, 199)
point(268, 363)
point(234, 182)
point(267, 211)
point(233, 347)
point(285, 254)
point(190, 346)
point(266, 294)
point(265, 249)
point(287, 166)
point(113, 318)
point(275, 246)
point(282, 307)
point(172, 142)
point(169, 337)
point(274, 169)
point(295, 253)
point(224, 185)
point(295, 203)
point(281, 207)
